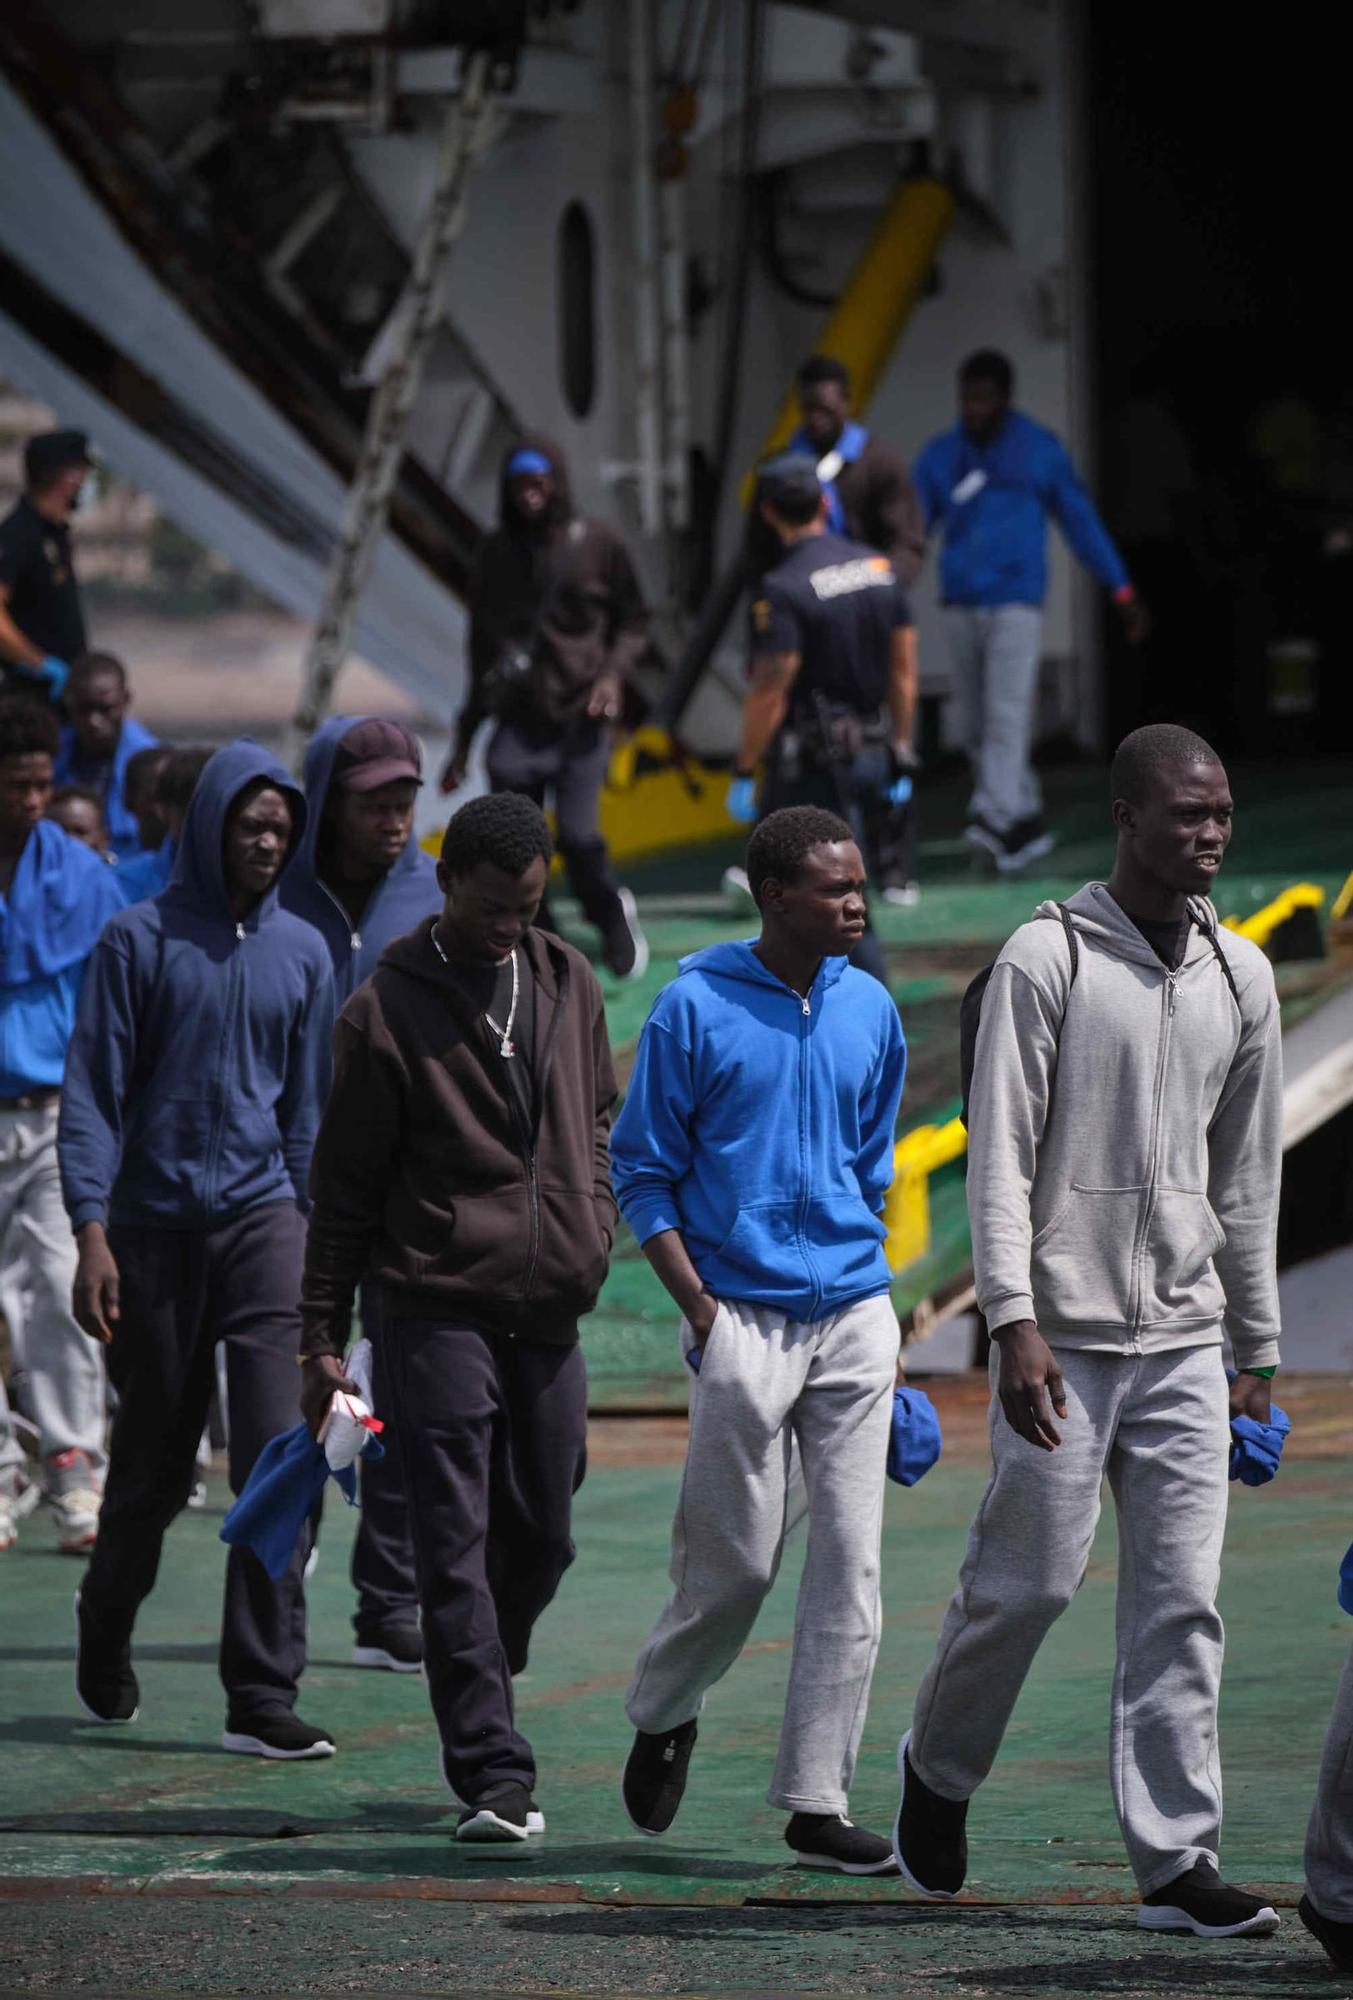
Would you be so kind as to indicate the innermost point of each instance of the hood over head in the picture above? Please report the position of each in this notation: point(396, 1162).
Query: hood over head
point(199, 865)
point(561, 507)
point(317, 775)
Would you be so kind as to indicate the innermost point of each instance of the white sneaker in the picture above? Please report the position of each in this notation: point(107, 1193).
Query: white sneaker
point(73, 1502)
point(902, 895)
point(9, 1527)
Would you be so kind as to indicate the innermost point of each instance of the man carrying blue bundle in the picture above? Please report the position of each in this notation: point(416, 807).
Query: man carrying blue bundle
point(1124, 1158)
point(751, 1160)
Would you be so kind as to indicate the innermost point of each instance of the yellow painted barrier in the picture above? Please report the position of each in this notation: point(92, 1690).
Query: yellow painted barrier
point(1343, 902)
point(906, 1212)
point(1260, 927)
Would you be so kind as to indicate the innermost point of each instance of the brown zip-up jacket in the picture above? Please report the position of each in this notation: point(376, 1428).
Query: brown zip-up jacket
point(427, 1175)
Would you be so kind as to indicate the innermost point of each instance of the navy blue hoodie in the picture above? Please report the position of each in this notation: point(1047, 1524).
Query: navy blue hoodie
point(400, 901)
point(196, 1074)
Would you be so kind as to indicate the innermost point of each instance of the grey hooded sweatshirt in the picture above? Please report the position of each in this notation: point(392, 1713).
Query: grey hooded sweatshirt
point(1125, 1144)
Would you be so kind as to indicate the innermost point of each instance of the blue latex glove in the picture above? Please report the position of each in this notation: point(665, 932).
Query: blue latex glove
point(53, 674)
point(742, 801)
point(899, 792)
point(915, 1440)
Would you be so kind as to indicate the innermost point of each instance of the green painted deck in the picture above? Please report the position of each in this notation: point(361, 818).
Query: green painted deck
point(145, 1861)
point(1294, 822)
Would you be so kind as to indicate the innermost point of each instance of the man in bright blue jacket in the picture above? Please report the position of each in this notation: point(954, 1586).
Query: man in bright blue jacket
point(751, 1159)
point(362, 880)
point(990, 485)
point(193, 1094)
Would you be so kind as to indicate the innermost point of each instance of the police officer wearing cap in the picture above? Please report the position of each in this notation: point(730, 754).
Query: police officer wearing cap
point(42, 627)
point(832, 698)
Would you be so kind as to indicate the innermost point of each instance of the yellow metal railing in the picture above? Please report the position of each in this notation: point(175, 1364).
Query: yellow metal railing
point(1260, 927)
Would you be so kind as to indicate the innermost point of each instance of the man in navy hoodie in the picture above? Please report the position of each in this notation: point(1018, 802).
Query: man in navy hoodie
point(100, 741)
point(990, 485)
point(765, 1094)
point(362, 880)
point(193, 1093)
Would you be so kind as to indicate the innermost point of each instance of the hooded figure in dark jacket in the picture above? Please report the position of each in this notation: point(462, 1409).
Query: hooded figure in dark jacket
point(192, 1099)
point(558, 625)
point(362, 880)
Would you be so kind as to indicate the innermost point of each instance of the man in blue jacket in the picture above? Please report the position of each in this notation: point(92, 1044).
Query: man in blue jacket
point(764, 1096)
point(990, 485)
point(100, 741)
point(193, 1094)
point(55, 896)
point(362, 880)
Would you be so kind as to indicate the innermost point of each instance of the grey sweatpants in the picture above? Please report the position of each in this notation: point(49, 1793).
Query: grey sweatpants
point(63, 1367)
point(1158, 1425)
point(763, 1384)
point(994, 656)
point(1329, 1837)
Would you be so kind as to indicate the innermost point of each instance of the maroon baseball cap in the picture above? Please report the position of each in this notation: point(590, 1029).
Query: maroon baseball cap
point(375, 752)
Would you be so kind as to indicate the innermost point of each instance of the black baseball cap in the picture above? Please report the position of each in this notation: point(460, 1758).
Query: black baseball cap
point(790, 477)
point(51, 452)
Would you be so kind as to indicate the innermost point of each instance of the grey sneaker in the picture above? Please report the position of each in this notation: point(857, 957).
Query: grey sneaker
point(73, 1501)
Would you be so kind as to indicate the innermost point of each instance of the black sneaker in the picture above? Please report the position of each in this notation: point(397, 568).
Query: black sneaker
point(399, 1649)
point(930, 1845)
point(1026, 842)
point(499, 1817)
point(829, 1840)
point(275, 1732)
point(655, 1777)
point(105, 1685)
point(1201, 1902)
point(624, 946)
point(1336, 1938)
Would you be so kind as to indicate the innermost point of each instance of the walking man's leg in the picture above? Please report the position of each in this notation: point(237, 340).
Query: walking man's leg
point(1008, 783)
point(383, 1570)
point(538, 1467)
point(841, 1421)
point(255, 1267)
point(967, 630)
point(1327, 1907)
point(585, 755)
point(447, 1402)
point(727, 1539)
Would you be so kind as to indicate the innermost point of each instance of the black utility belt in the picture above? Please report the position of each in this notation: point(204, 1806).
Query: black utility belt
point(832, 736)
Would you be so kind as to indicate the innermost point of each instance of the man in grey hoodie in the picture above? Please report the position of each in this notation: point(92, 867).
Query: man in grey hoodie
point(1124, 1161)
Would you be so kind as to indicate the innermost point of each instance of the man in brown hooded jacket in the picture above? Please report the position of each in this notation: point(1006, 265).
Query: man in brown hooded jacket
point(557, 626)
point(463, 1165)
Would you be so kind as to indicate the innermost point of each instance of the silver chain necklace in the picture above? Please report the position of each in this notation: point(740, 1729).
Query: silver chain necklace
point(506, 1046)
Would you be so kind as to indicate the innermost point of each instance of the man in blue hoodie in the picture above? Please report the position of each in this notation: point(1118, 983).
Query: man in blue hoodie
point(100, 741)
point(765, 1093)
point(193, 1094)
point(55, 896)
point(990, 485)
point(362, 880)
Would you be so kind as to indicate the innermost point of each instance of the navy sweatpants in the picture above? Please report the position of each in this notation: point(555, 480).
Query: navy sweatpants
point(182, 1291)
point(493, 1445)
point(383, 1572)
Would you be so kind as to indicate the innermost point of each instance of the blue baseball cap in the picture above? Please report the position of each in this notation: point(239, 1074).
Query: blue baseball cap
point(526, 463)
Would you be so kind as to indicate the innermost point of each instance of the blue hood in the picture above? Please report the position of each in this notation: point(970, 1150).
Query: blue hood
point(761, 1126)
point(59, 900)
point(406, 895)
point(199, 865)
point(200, 1058)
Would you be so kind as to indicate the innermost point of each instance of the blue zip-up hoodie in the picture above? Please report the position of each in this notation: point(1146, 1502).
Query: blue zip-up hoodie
point(197, 1070)
point(993, 503)
point(400, 901)
point(761, 1125)
point(108, 780)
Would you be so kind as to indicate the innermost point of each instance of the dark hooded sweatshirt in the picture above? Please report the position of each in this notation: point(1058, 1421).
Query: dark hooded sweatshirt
point(427, 1175)
point(404, 893)
point(196, 1072)
point(564, 590)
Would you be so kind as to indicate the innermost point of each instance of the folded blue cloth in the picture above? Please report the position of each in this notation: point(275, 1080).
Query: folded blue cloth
point(1346, 1582)
point(280, 1494)
point(1256, 1449)
point(915, 1440)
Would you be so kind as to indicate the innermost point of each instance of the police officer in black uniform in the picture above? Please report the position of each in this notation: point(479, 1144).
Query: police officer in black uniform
point(832, 698)
point(42, 627)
